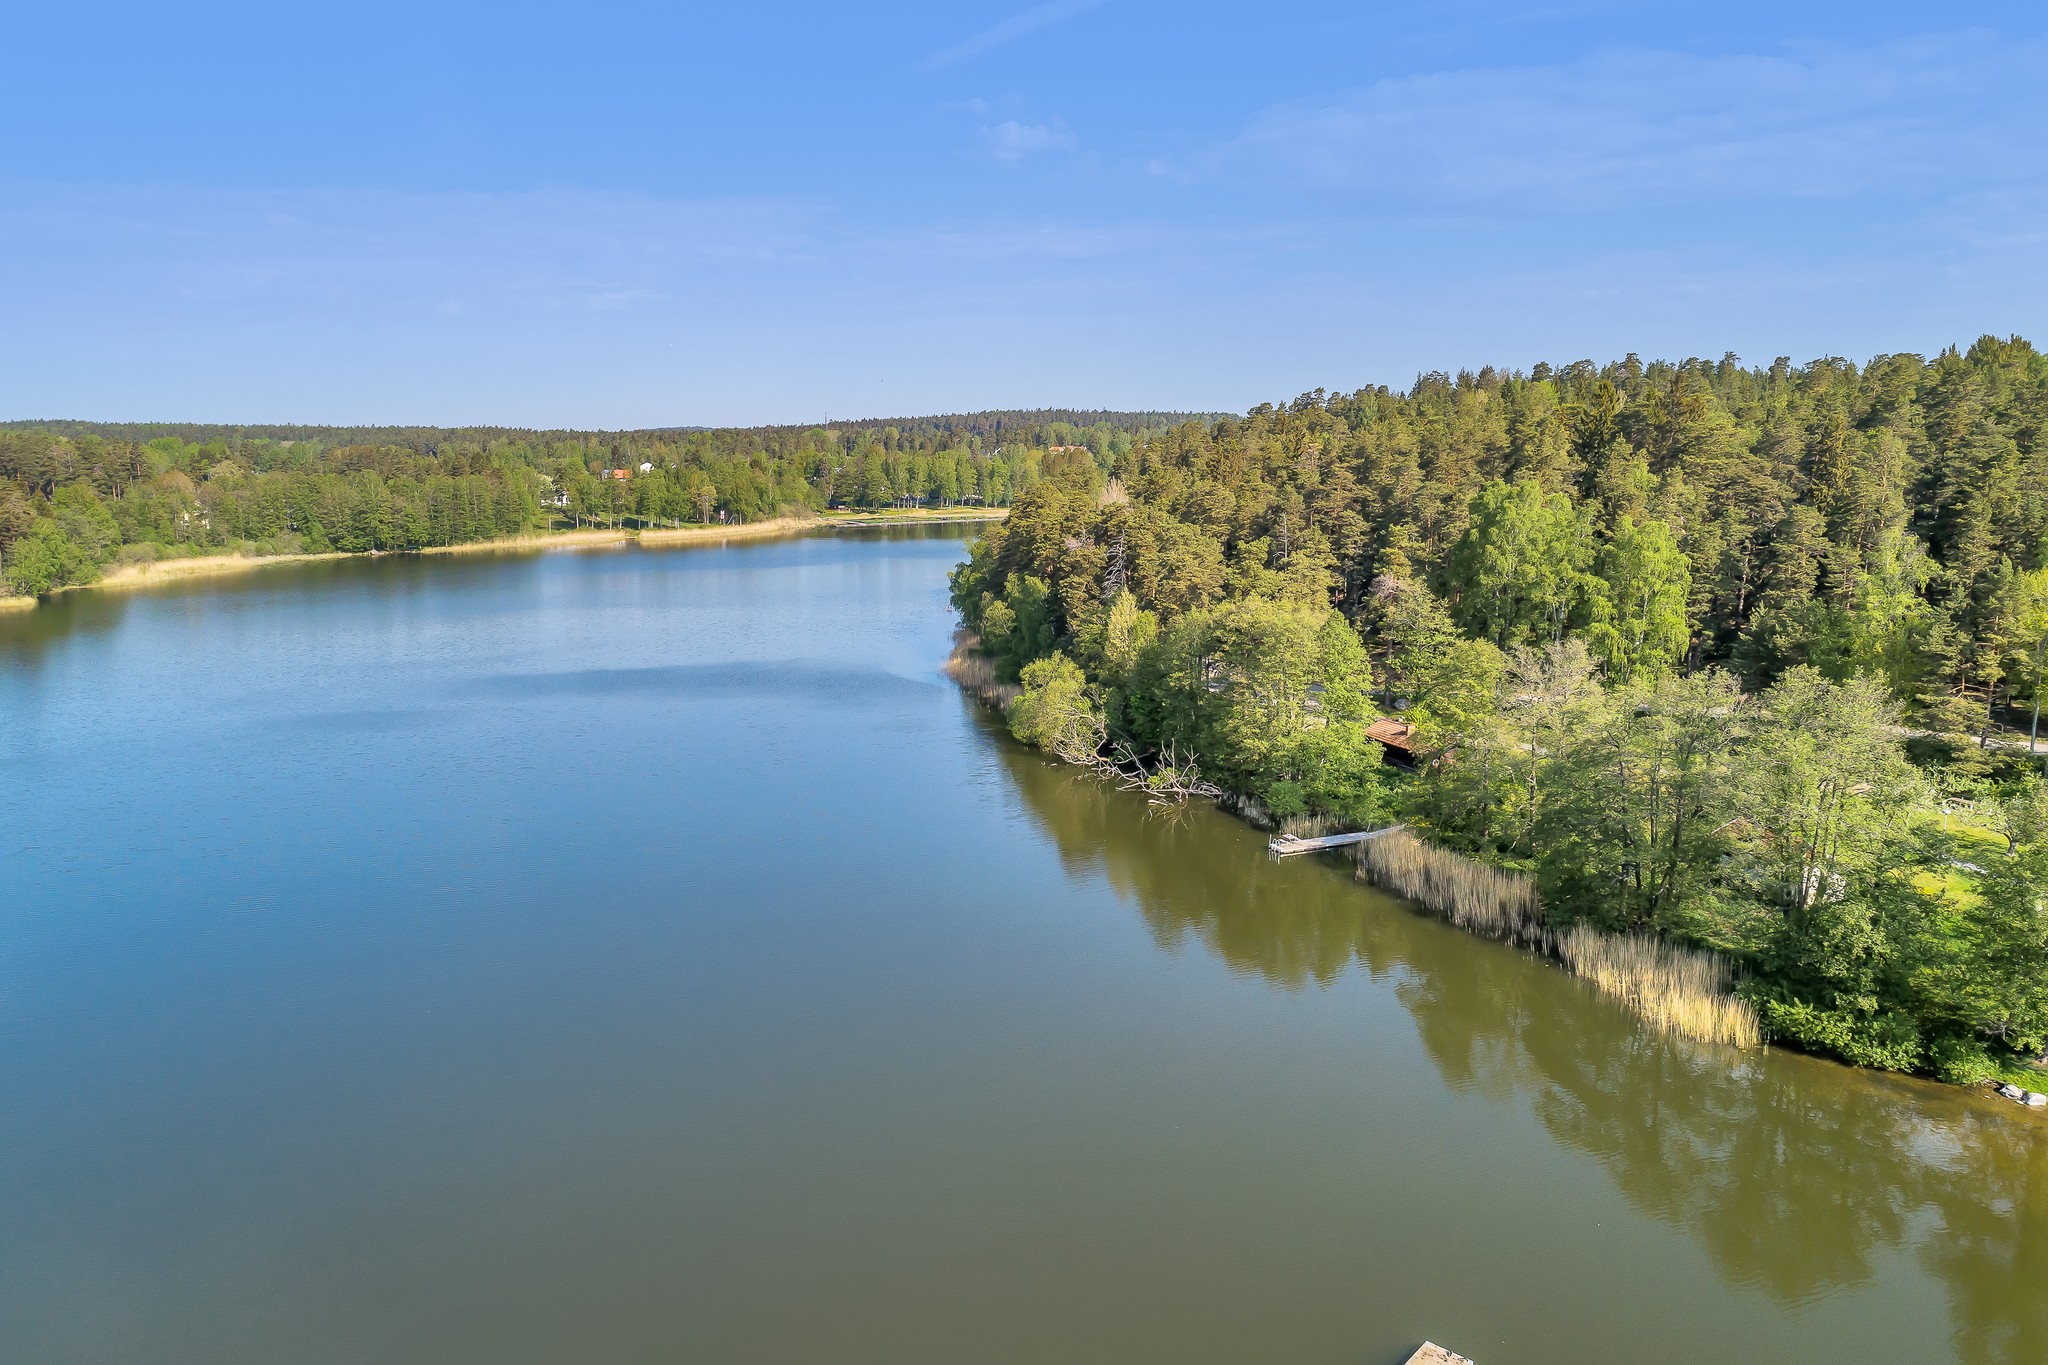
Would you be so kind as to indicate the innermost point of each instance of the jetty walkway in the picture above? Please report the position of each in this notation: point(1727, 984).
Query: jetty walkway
point(1287, 848)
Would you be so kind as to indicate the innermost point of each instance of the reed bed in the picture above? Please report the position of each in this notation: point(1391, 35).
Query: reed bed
point(1679, 991)
point(1682, 991)
point(1307, 826)
point(1247, 809)
point(975, 672)
point(1475, 897)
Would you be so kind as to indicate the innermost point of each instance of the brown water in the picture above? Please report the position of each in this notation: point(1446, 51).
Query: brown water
point(647, 957)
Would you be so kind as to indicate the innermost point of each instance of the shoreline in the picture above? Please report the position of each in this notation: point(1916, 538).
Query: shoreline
point(979, 686)
point(156, 573)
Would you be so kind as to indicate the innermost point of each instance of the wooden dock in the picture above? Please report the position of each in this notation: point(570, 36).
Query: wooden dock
point(1287, 848)
point(1433, 1354)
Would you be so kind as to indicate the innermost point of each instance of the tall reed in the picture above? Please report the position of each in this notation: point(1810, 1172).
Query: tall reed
point(976, 672)
point(1682, 991)
point(1306, 826)
point(1470, 894)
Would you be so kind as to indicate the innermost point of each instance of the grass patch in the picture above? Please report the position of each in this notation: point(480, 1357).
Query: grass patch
point(1954, 885)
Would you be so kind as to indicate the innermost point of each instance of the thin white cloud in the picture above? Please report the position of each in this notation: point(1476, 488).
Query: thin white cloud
point(389, 250)
point(1012, 141)
point(1008, 242)
point(1014, 27)
point(1627, 128)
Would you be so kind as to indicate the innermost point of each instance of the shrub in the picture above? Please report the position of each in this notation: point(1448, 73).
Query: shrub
point(1285, 799)
point(1882, 1039)
point(1960, 1061)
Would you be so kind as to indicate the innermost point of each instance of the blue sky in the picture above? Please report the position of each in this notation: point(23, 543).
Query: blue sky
point(626, 215)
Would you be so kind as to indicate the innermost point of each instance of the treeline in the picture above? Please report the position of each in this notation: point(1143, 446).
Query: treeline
point(1025, 427)
point(77, 496)
point(1733, 655)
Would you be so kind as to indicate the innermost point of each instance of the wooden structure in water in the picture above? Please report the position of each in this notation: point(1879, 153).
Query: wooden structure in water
point(1433, 1354)
point(1286, 848)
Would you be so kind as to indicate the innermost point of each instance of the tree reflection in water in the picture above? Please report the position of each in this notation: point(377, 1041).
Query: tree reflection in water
point(1790, 1171)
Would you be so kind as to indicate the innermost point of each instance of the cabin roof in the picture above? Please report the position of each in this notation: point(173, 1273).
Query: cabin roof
point(1394, 734)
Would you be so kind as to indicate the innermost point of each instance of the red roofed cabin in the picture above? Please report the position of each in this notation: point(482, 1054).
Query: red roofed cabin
point(1397, 740)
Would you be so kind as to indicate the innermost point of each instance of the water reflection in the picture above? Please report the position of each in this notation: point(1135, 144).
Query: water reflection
point(782, 680)
point(26, 635)
point(1792, 1173)
point(1189, 883)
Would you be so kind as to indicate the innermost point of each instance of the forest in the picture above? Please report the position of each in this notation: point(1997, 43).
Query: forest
point(76, 497)
point(1747, 658)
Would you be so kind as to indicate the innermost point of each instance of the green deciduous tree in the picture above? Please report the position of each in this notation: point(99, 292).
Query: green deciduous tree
point(1519, 571)
point(1639, 625)
point(1641, 790)
point(1056, 712)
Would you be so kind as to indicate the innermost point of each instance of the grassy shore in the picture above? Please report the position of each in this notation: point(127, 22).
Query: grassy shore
point(127, 577)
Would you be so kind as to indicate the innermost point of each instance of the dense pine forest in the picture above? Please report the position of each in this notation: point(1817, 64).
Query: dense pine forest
point(1746, 658)
point(76, 497)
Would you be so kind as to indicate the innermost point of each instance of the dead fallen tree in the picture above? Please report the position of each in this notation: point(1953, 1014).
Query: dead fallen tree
point(1168, 780)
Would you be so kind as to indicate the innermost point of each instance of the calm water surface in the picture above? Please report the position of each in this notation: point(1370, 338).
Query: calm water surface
point(647, 957)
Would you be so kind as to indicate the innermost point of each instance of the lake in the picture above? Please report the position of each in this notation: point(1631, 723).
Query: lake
point(646, 956)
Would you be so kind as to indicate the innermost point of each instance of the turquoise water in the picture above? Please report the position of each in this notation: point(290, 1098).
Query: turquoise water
point(646, 956)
